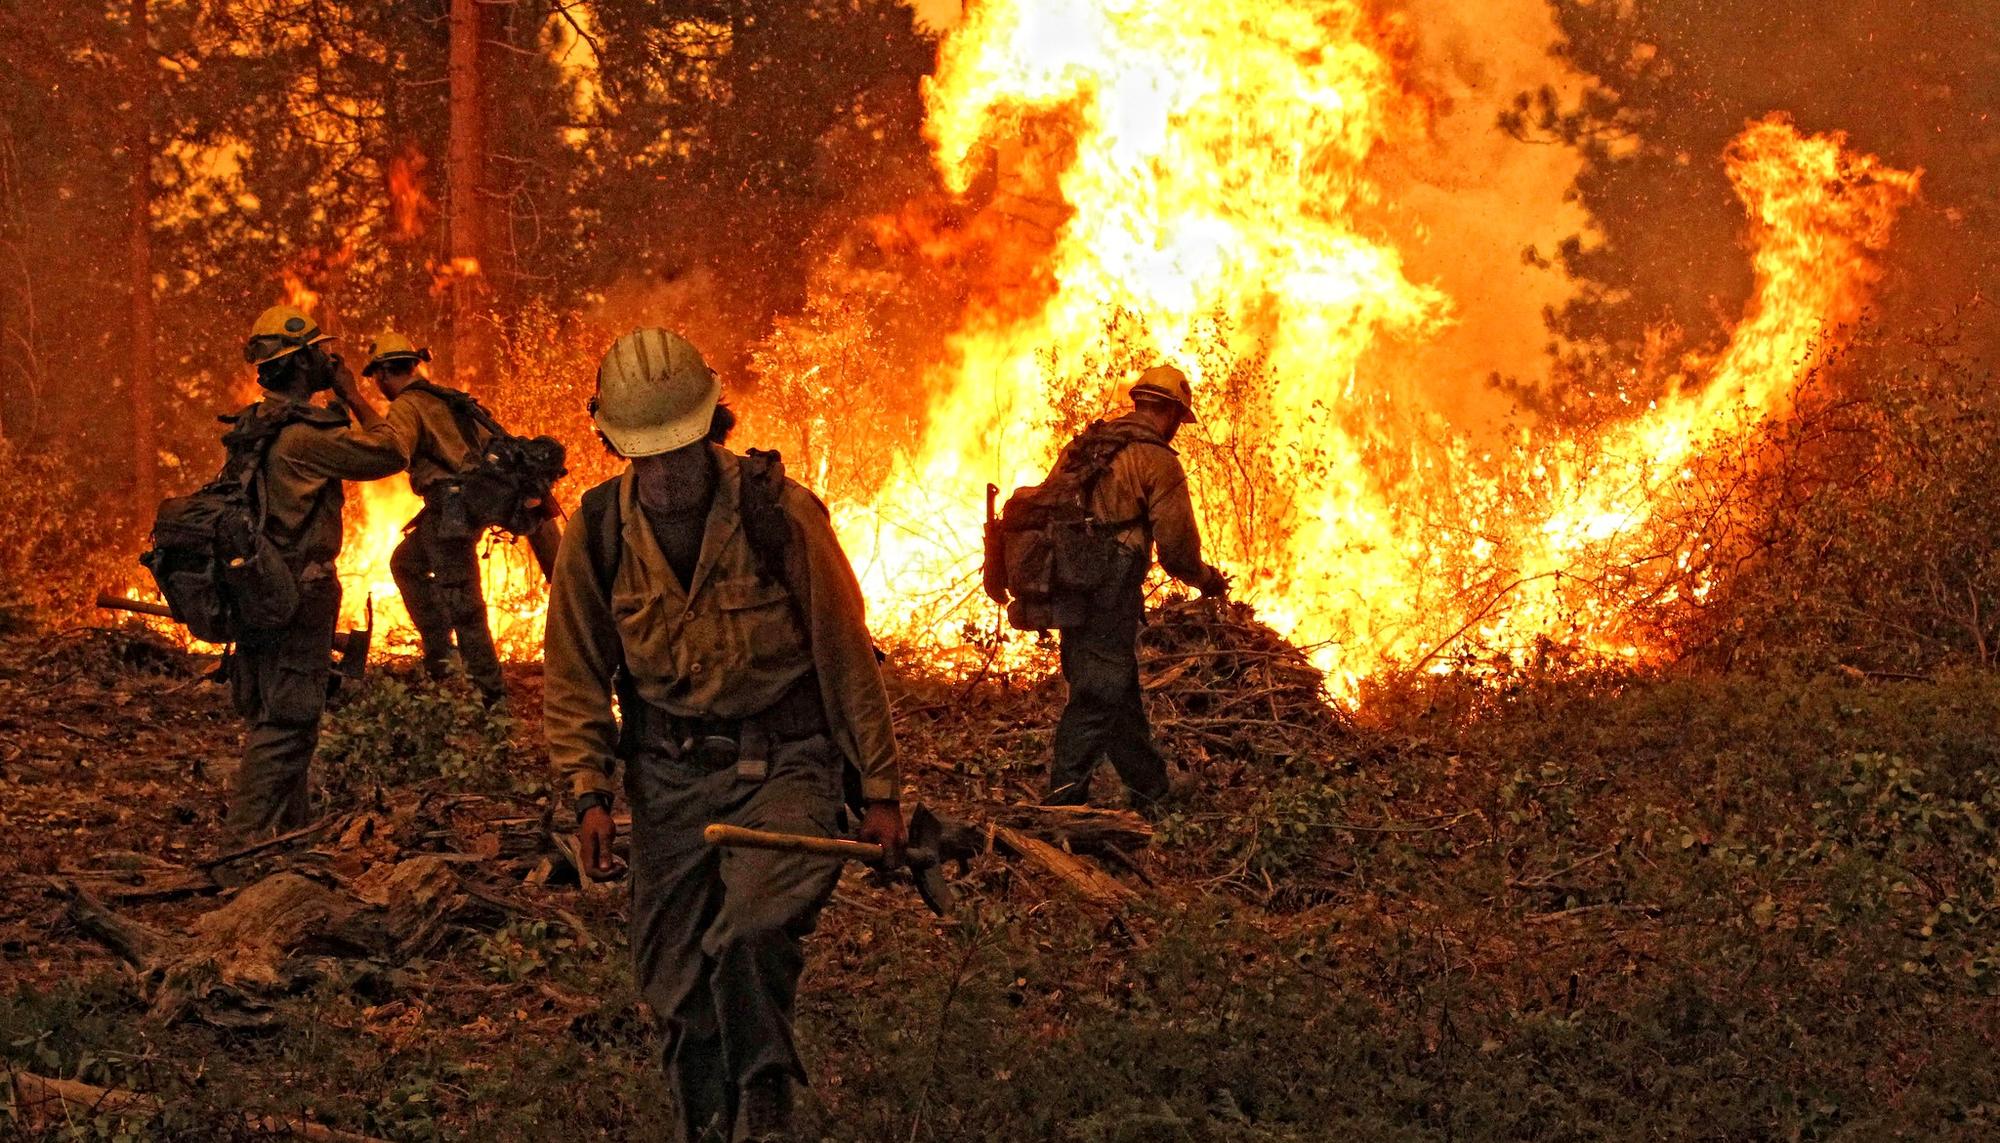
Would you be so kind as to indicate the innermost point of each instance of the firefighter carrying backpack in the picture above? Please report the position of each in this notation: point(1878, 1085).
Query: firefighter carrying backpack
point(1048, 555)
point(512, 485)
point(216, 566)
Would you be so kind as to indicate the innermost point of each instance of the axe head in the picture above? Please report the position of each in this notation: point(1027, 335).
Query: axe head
point(353, 647)
point(926, 865)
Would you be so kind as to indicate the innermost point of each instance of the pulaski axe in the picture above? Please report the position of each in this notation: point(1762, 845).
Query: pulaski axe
point(921, 854)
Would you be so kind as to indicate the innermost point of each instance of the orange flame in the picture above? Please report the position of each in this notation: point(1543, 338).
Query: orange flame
point(410, 207)
point(447, 274)
point(1211, 163)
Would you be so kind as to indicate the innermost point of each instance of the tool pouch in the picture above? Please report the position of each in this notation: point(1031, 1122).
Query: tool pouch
point(446, 500)
point(753, 758)
point(263, 584)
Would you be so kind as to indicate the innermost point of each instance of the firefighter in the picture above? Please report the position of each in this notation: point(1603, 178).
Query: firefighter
point(1145, 484)
point(279, 674)
point(437, 564)
point(710, 595)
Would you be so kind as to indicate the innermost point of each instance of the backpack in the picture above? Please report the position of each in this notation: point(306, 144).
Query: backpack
point(1047, 554)
point(511, 487)
point(216, 566)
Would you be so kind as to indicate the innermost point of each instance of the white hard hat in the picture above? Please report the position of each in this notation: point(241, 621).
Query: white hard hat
point(654, 394)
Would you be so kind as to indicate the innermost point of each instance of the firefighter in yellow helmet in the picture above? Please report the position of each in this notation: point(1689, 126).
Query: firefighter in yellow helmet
point(440, 434)
point(709, 592)
point(301, 453)
point(1143, 484)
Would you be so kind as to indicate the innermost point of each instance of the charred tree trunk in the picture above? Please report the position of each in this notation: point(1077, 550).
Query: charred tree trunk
point(139, 153)
point(466, 179)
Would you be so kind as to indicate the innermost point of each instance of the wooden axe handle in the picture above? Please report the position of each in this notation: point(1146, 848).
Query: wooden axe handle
point(737, 836)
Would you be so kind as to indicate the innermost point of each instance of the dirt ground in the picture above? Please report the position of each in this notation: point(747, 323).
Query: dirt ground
point(1518, 909)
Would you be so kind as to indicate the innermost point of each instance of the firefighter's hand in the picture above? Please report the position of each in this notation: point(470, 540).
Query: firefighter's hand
point(344, 385)
point(1217, 586)
point(593, 844)
point(882, 824)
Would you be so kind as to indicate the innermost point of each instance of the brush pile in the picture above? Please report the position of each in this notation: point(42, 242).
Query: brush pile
point(1224, 689)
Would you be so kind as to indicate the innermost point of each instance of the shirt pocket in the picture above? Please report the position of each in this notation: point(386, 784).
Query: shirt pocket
point(647, 633)
point(757, 621)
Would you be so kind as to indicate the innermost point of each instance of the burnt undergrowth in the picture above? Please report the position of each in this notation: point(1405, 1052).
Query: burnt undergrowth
point(1558, 908)
point(1750, 893)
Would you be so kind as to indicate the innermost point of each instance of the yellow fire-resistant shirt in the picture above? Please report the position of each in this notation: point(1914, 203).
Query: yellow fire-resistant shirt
point(430, 438)
point(305, 467)
point(1146, 484)
point(726, 647)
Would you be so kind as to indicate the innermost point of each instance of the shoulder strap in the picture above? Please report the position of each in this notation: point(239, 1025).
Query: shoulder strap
point(464, 407)
point(247, 445)
point(765, 524)
point(604, 523)
point(1094, 449)
point(768, 528)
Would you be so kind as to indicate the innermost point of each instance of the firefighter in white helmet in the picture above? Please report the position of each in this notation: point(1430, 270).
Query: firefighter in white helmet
point(709, 593)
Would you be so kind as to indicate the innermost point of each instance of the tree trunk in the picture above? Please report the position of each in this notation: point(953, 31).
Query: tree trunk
point(465, 180)
point(139, 153)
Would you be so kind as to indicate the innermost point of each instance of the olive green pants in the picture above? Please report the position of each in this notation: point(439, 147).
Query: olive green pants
point(279, 680)
point(717, 933)
point(437, 574)
point(1106, 712)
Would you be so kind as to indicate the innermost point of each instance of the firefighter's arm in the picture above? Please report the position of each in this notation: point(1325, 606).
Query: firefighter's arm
point(1171, 509)
point(348, 390)
point(406, 426)
point(347, 453)
point(843, 652)
point(579, 653)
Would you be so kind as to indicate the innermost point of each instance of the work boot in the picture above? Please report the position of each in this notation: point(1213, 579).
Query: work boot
point(764, 1114)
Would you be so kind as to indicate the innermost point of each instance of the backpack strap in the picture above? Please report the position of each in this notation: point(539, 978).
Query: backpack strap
point(247, 445)
point(768, 528)
point(465, 408)
point(604, 523)
point(1092, 453)
point(765, 525)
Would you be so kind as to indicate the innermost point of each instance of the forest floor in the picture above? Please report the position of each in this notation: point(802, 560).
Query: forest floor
point(1524, 908)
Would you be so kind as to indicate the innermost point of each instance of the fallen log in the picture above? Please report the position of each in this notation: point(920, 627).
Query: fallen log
point(268, 843)
point(1080, 874)
point(125, 876)
point(1080, 829)
point(139, 945)
point(42, 1097)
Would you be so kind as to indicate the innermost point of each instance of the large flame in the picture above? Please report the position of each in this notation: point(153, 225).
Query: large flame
point(1212, 167)
point(1201, 183)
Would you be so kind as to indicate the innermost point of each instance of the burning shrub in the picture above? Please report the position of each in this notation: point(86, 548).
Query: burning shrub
point(549, 362)
point(1862, 529)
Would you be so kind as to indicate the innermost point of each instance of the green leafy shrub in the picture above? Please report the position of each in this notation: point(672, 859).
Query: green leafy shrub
point(403, 729)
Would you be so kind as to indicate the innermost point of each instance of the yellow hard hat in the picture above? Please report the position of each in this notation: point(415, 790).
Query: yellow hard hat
point(1168, 384)
point(279, 332)
point(390, 347)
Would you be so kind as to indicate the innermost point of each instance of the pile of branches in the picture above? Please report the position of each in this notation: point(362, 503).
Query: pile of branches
point(1224, 688)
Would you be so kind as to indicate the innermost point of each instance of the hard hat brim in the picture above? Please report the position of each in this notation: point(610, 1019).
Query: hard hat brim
point(652, 440)
point(1148, 391)
point(291, 349)
point(375, 365)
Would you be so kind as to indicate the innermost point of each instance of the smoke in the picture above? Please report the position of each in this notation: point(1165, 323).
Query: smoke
point(1464, 200)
